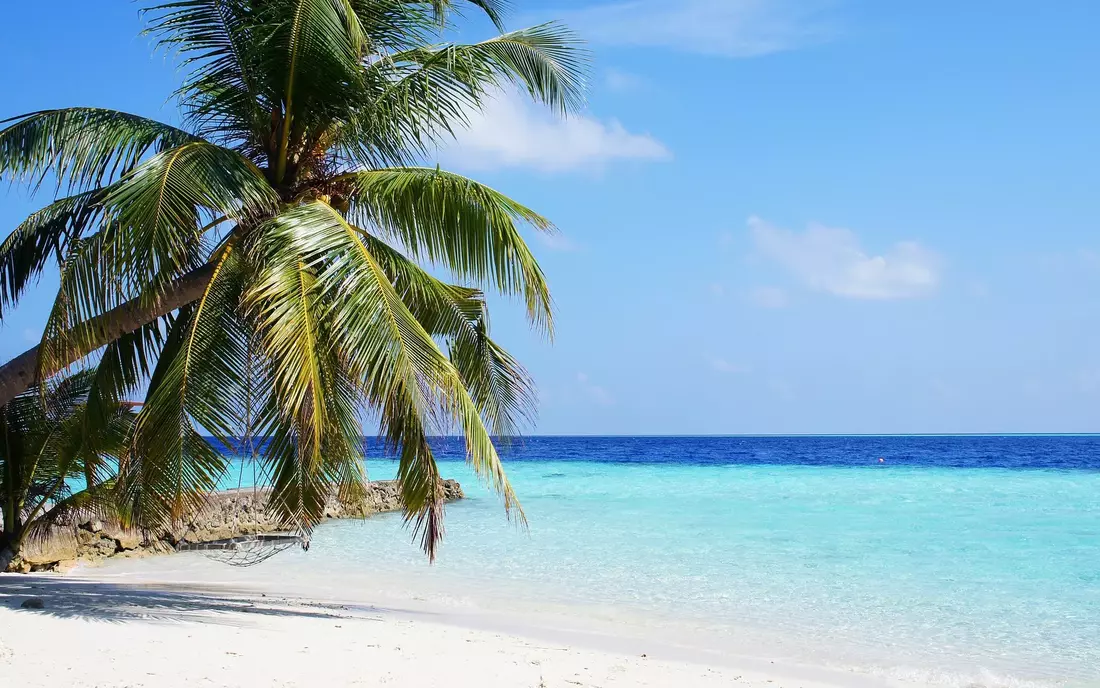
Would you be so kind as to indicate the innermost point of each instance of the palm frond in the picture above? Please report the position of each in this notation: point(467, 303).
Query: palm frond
point(197, 379)
point(159, 211)
point(222, 94)
point(503, 390)
point(84, 147)
point(544, 60)
point(312, 66)
point(387, 351)
point(427, 92)
point(451, 220)
point(316, 434)
point(44, 236)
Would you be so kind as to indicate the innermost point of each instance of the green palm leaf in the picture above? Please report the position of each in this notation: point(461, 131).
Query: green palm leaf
point(43, 236)
point(158, 211)
point(397, 364)
point(451, 220)
point(502, 389)
point(169, 467)
point(222, 93)
point(294, 234)
point(87, 147)
point(314, 402)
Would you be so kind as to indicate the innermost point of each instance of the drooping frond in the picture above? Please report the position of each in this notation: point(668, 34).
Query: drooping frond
point(169, 467)
point(82, 295)
point(152, 233)
point(451, 220)
point(84, 147)
point(394, 359)
point(502, 389)
point(314, 403)
point(122, 367)
point(494, 9)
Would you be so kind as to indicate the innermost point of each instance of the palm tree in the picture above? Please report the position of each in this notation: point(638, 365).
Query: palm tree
point(282, 241)
point(77, 437)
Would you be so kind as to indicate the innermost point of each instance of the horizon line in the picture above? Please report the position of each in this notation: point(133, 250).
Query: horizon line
point(784, 434)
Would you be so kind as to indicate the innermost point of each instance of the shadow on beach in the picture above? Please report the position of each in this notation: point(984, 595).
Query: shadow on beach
point(117, 603)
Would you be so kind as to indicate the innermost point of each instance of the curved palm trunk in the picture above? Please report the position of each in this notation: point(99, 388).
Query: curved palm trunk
point(18, 374)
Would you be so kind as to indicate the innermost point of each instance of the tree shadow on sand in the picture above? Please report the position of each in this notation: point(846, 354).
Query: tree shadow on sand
point(111, 602)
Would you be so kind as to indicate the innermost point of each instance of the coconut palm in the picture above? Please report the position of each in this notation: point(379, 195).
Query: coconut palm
point(45, 449)
point(283, 241)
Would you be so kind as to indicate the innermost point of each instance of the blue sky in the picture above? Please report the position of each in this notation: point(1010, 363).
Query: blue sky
point(777, 215)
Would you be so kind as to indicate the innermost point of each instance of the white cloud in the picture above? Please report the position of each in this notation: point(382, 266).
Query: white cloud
point(767, 297)
point(513, 132)
point(723, 366)
point(831, 260)
point(596, 393)
point(728, 28)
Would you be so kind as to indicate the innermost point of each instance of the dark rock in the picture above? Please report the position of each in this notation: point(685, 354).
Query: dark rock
point(33, 603)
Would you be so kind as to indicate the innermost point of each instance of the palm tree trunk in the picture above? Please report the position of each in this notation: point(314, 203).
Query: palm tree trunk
point(18, 374)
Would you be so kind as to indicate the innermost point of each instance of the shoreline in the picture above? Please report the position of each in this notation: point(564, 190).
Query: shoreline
point(748, 655)
point(124, 629)
point(224, 515)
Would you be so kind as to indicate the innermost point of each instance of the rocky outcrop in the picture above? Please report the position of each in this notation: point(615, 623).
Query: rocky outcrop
point(224, 515)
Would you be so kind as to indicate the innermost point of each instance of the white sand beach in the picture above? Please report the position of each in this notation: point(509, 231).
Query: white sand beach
point(98, 629)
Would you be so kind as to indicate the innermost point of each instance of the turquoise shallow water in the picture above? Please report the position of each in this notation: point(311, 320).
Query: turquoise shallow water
point(966, 575)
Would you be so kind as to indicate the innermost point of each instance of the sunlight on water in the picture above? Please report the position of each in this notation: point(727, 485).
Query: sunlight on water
point(967, 570)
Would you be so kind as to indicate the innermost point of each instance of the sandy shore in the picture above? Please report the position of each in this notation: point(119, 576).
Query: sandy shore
point(98, 630)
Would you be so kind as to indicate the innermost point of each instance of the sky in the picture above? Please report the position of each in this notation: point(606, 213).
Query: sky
point(776, 216)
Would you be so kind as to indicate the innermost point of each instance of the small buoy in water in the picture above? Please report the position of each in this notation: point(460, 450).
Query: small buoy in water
point(881, 460)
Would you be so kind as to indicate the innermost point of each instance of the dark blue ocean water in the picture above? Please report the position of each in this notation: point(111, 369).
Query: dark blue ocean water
point(1025, 452)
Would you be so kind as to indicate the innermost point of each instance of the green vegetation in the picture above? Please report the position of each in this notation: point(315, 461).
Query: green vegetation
point(265, 268)
point(75, 437)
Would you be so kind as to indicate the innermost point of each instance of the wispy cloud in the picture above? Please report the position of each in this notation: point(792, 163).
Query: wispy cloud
point(831, 260)
point(557, 242)
point(721, 365)
point(595, 392)
point(728, 28)
point(621, 81)
point(767, 297)
point(512, 132)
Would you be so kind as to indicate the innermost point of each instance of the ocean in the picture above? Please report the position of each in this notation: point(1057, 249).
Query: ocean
point(958, 560)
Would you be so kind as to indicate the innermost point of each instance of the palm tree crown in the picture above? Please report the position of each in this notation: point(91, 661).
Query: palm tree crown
point(264, 266)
